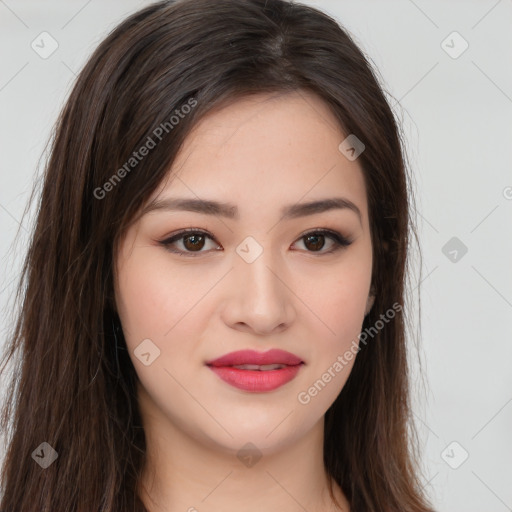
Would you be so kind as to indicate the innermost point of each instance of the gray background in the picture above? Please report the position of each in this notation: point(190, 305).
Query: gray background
point(456, 113)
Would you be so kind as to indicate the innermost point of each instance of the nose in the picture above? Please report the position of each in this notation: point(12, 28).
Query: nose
point(260, 300)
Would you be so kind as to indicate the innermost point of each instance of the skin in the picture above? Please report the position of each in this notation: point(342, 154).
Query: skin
point(260, 153)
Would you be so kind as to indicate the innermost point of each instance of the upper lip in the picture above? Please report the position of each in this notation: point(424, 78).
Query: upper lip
point(274, 356)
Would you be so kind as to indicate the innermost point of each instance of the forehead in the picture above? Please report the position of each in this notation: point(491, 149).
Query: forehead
point(264, 151)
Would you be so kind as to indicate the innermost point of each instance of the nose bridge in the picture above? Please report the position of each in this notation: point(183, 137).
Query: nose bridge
point(257, 267)
point(262, 299)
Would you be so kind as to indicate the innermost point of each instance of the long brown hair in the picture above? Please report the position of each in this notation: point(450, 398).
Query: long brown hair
point(74, 385)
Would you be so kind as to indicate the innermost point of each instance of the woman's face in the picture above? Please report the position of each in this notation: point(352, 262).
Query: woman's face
point(250, 277)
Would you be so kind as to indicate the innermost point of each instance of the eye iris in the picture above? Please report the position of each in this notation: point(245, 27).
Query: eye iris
point(197, 243)
point(318, 241)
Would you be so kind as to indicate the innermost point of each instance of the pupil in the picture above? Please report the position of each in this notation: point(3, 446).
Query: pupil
point(195, 244)
point(317, 241)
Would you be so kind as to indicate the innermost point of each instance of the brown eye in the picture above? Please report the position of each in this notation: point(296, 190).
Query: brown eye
point(193, 242)
point(314, 242)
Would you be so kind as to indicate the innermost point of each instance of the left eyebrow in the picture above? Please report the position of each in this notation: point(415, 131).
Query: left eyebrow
point(302, 209)
point(230, 211)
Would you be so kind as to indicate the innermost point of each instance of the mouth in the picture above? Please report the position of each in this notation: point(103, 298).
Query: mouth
point(255, 371)
point(260, 368)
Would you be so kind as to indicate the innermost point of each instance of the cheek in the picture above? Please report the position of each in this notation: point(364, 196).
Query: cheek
point(159, 302)
point(345, 306)
point(150, 301)
point(337, 299)
point(155, 303)
point(139, 297)
point(338, 305)
point(340, 311)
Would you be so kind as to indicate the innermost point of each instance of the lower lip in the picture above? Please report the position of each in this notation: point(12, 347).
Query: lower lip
point(255, 380)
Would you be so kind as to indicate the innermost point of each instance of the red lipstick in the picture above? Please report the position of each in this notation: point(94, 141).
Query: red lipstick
point(256, 371)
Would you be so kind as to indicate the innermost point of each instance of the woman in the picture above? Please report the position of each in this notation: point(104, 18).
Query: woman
point(212, 317)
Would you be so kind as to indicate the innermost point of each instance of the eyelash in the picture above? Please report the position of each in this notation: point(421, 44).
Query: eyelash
point(340, 242)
